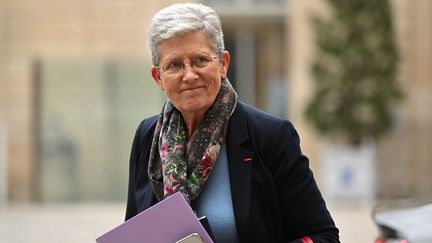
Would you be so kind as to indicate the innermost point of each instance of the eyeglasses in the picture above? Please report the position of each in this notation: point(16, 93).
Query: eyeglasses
point(176, 66)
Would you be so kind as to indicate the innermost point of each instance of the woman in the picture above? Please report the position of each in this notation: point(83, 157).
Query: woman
point(239, 166)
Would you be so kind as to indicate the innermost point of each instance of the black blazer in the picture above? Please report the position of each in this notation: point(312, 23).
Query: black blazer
point(274, 195)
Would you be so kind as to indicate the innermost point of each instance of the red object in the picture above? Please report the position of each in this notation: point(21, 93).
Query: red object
point(306, 239)
point(248, 159)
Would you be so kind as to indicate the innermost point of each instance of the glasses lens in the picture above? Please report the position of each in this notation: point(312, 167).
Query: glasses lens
point(173, 66)
point(201, 61)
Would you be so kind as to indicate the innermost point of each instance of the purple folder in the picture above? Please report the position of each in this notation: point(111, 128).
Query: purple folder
point(165, 222)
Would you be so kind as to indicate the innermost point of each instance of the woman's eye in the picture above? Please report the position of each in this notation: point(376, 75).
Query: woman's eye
point(174, 65)
point(201, 61)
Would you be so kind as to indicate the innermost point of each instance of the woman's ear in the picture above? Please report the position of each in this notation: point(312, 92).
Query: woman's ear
point(156, 77)
point(225, 61)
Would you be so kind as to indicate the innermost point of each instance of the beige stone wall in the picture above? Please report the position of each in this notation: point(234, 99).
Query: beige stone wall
point(300, 53)
point(406, 153)
point(33, 29)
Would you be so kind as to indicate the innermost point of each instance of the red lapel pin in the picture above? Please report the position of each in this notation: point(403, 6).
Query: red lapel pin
point(248, 159)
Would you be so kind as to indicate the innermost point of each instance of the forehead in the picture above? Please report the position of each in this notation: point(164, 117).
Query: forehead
point(186, 44)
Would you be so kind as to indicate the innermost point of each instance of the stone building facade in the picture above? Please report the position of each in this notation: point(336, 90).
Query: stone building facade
point(72, 73)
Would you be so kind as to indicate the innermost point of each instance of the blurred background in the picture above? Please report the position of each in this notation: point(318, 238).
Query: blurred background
point(75, 82)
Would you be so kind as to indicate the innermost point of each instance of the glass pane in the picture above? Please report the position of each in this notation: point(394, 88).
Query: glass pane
point(89, 111)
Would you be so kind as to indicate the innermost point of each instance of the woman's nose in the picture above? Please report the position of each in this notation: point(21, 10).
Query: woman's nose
point(189, 73)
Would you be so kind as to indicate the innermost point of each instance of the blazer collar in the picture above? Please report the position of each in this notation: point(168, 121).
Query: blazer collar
point(240, 157)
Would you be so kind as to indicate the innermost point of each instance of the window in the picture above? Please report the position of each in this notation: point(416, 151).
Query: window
point(88, 114)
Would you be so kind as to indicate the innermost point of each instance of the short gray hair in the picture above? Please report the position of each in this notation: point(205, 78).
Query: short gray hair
point(182, 18)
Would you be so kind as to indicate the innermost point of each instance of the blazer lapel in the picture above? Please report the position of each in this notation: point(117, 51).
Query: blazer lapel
point(240, 162)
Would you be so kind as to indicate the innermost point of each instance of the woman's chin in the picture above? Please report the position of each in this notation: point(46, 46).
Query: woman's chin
point(194, 105)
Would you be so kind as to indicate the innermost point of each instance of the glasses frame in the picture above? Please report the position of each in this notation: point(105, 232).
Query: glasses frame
point(162, 69)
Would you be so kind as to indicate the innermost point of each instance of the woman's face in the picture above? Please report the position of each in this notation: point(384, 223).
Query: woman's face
point(190, 72)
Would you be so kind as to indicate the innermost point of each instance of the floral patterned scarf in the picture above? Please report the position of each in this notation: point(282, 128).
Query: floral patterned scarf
point(176, 164)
